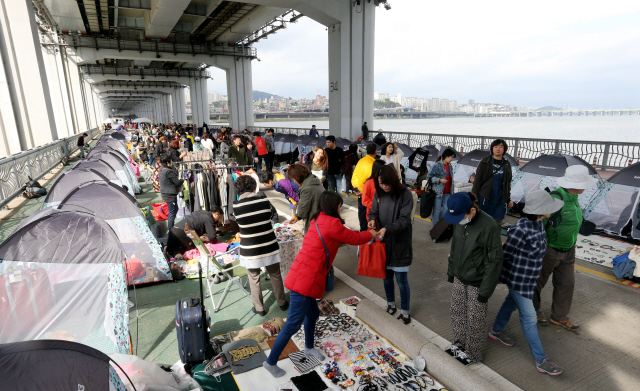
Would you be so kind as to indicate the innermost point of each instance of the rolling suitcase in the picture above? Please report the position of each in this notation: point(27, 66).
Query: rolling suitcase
point(26, 298)
point(192, 326)
point(441, 231)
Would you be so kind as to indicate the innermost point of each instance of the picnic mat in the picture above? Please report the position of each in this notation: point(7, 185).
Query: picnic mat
point(600, 250)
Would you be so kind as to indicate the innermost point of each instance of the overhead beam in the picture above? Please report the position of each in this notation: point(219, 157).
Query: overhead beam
point(164, 16)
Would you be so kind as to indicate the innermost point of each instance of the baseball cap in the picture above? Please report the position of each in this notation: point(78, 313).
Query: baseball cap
point(457, 207)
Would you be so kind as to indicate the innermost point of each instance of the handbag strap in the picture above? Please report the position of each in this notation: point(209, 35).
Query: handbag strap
point(325, 246)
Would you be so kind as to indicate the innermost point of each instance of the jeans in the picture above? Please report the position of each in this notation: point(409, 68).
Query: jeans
point(439, 208)
point(173, 212)
point(151, 159)
point(266, 159)
point(528, 320)
point(335, 182)
point(403, 284)
point(301, 309)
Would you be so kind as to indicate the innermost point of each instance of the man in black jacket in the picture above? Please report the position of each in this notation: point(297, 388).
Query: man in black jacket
point(365, 131)
point(170, 187)
point(335, 156)
point(380, 139)
point(201, 221)
point(492, 184)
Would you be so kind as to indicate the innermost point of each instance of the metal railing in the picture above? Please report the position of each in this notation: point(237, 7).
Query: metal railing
point(108, 70)
point(16, 169)
point(209, 48)
point(296, 131)
point(601, 154)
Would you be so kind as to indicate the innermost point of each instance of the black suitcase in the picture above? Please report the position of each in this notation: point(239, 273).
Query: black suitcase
point(192, 325)
point(441, 231)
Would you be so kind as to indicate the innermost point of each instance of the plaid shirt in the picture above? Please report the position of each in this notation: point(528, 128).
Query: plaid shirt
point(523, 252)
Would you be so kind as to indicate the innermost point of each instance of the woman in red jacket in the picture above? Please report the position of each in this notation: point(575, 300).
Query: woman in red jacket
point(307, 278)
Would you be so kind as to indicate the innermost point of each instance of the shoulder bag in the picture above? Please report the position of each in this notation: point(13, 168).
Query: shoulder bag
point(329, 285)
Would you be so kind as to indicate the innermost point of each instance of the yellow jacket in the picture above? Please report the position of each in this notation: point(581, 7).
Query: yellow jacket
point(362, 172)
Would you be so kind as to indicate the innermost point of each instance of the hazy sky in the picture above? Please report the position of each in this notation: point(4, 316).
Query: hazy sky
point(586, 54)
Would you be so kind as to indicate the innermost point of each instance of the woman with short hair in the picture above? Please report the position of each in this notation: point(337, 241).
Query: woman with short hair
point(391, 212)
point(310, 189)
point(258, 244)
point(441, 178)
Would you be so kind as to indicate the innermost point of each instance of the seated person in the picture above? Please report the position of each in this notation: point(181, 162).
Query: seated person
point(202, 222)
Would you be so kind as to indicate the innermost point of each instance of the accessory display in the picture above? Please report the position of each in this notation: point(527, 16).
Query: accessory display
point(273, 326)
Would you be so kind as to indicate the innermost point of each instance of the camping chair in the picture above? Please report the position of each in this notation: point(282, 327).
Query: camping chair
point(234, 273)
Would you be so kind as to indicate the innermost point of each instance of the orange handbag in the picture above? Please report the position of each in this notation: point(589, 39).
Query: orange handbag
point(372, 260)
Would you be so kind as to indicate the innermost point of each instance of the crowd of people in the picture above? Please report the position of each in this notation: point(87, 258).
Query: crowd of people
point(539, 246)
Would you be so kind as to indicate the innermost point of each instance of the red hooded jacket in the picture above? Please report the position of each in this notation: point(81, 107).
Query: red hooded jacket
point(262, 146)
point(308, 274)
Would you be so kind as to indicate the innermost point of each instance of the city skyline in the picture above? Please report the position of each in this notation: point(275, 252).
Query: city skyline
point(504, 52)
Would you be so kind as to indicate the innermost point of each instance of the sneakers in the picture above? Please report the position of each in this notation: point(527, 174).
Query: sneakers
point(458, 353)
point(542, 321)
point(405, 319)
point(500, 336)
point(566, 324)
point(549, 367)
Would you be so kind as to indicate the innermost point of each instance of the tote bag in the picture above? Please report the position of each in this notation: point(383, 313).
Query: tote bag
point(372, 259)
point(427, 201)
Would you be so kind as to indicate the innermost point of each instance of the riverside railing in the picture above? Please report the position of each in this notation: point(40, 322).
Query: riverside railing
point(601, 154)
point(16, 169)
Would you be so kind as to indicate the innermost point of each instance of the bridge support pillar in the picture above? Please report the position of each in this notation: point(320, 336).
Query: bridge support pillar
point(28, 118)
point(199, 104)
point(239, 91)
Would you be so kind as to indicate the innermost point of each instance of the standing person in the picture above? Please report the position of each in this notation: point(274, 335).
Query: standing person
point(162, 147)
point(391, 210)
point(365, 132)
point(310, 190)
point(441, 177)
point(380, 139)
point(282, 185)
point(197, 145)
point(475, 266)
point(335, 160)
point(81, 144)
point(560, 258)
point(170, 187)
point(258, 244)
point(523, 252)
point(318, 165)
point(252, 154)
point(369, 190)
point(361, 173)
point(186, 143)
point(207, 143)
point(350, 161)
point(313, 132)
point(308, 275)
point(262, 151)
point(151, 149)
point(271, 146)
point(492, 185)
point(391, 154)
point(176, 156)
point(238, 151)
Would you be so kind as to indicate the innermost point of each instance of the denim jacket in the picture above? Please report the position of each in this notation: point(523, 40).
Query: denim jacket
point(436, 173)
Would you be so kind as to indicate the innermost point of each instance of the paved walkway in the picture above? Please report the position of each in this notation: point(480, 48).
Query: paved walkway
point(604, 354)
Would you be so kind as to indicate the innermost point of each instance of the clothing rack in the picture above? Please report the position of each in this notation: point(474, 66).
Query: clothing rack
point(232, 168)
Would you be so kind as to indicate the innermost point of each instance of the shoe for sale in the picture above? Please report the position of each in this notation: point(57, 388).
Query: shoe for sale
point(565, 324)
point(453, 349)
point(549, 367)
point(391, 310)
point(542, 321)
point(216, 279)
point(261, 313)
point(500, 336)
point(462, 356)
point(405, 319)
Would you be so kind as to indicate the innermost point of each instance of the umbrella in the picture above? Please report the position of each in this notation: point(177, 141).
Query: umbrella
point(118, 136)
point(342, 143)
point(316, 142)
point(141, 119)
point(473, 158)
point(555, 165)
point(628, 176)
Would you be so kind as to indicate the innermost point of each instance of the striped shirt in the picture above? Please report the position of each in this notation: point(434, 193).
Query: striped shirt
point(257, 239)
point(523, 253)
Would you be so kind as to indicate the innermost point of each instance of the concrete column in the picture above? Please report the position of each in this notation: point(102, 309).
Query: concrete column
point(174, 105)
point(195, 97)
point(351, 55)
point(9, 140)
point(25, 74)
point(58, 86)
point(204, 101)
point(239, 90)
point(183, 106)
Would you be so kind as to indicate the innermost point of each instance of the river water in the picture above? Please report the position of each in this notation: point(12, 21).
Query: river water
point(624, 128)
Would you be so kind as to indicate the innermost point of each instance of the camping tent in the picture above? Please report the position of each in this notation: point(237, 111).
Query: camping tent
point(56, 365)
point(69, 180)
point(100, 166)
point(121, 165)
point(114, 134)
point(343, 143)
point(66, 276)
point(118, 208)
point(106, 147)
point(543, 172)
point(118, 145)
point(616, 204)
point(468, 165)
point(141, 120)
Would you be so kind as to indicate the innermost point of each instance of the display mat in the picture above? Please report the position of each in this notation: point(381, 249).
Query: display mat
point(359, 337)
point(600, 250)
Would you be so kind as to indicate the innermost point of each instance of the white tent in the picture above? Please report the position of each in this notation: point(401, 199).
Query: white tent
point(141, 119)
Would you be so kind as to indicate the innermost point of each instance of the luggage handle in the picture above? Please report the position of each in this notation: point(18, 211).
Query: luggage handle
point(200, 280)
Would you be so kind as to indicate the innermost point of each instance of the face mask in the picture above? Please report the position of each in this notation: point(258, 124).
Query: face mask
point(464, 221)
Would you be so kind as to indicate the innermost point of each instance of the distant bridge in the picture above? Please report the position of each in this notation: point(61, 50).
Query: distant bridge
point(560, 113)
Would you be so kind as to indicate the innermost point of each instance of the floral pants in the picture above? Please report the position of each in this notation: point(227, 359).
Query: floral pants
point(468, 317)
